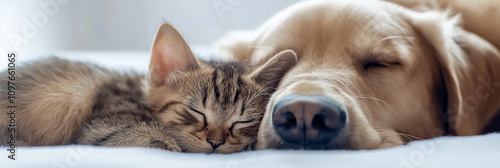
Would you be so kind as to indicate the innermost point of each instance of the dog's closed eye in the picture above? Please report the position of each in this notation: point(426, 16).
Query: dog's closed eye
point(370, 65)
point(372, 59)
point(373, 64)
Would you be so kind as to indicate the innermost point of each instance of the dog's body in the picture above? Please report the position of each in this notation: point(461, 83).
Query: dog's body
point(371, 74)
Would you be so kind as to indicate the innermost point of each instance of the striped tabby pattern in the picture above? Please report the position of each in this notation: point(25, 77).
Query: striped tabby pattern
point(183, 104)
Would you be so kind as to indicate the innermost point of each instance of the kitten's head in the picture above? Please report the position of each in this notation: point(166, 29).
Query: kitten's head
point(209, 107)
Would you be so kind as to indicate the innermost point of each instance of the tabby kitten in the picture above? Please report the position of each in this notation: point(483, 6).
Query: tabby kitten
point(184, 104)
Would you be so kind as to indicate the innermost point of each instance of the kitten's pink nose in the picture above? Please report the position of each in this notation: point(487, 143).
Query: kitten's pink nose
point(215, 137)
point(215, 143)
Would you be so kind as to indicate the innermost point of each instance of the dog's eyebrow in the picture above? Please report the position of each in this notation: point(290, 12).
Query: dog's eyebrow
point(396, 37)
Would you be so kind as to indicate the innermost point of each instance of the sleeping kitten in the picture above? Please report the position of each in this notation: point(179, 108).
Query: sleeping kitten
point(184, 104)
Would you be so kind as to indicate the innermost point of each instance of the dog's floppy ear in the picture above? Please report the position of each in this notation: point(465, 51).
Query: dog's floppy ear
point(469, 66)
point(270, 73)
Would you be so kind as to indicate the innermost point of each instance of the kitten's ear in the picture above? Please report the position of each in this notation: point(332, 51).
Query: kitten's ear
point(270, 74)
point(170, 53)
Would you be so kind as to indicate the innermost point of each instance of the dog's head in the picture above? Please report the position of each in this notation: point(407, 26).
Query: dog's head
point(373, 75)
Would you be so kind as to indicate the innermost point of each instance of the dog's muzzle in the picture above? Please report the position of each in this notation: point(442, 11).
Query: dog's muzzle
point(308, 122)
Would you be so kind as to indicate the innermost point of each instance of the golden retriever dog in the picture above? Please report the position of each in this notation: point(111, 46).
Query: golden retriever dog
point(370, 75)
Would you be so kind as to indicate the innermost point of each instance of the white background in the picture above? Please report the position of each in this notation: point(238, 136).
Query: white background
point(36, 26)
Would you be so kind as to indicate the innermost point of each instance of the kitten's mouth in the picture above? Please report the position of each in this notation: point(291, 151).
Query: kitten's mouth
point(217, 150)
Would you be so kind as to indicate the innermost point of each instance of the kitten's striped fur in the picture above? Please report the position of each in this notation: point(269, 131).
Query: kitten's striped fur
point(221, 104)
point(184, 104)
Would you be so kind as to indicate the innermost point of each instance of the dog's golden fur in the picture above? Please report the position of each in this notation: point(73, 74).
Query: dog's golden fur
point(431, 76)
point(477, 16)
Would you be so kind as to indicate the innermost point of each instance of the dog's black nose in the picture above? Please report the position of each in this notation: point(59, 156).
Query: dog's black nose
point(308, 120)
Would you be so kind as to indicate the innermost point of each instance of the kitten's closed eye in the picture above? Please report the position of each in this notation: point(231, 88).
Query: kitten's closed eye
point(239, 124)
point(203, 115)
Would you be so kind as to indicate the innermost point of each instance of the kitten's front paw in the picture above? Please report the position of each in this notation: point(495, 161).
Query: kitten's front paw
point(168, 145)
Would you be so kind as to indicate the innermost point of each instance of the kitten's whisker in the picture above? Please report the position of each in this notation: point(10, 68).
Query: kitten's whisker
point(255, 95)
point(260, 91)
point(261, 94)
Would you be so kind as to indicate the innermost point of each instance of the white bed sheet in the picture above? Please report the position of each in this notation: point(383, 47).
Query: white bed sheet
point(474, 151)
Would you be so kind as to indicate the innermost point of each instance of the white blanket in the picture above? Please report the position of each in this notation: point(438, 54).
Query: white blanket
point(474, 151)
